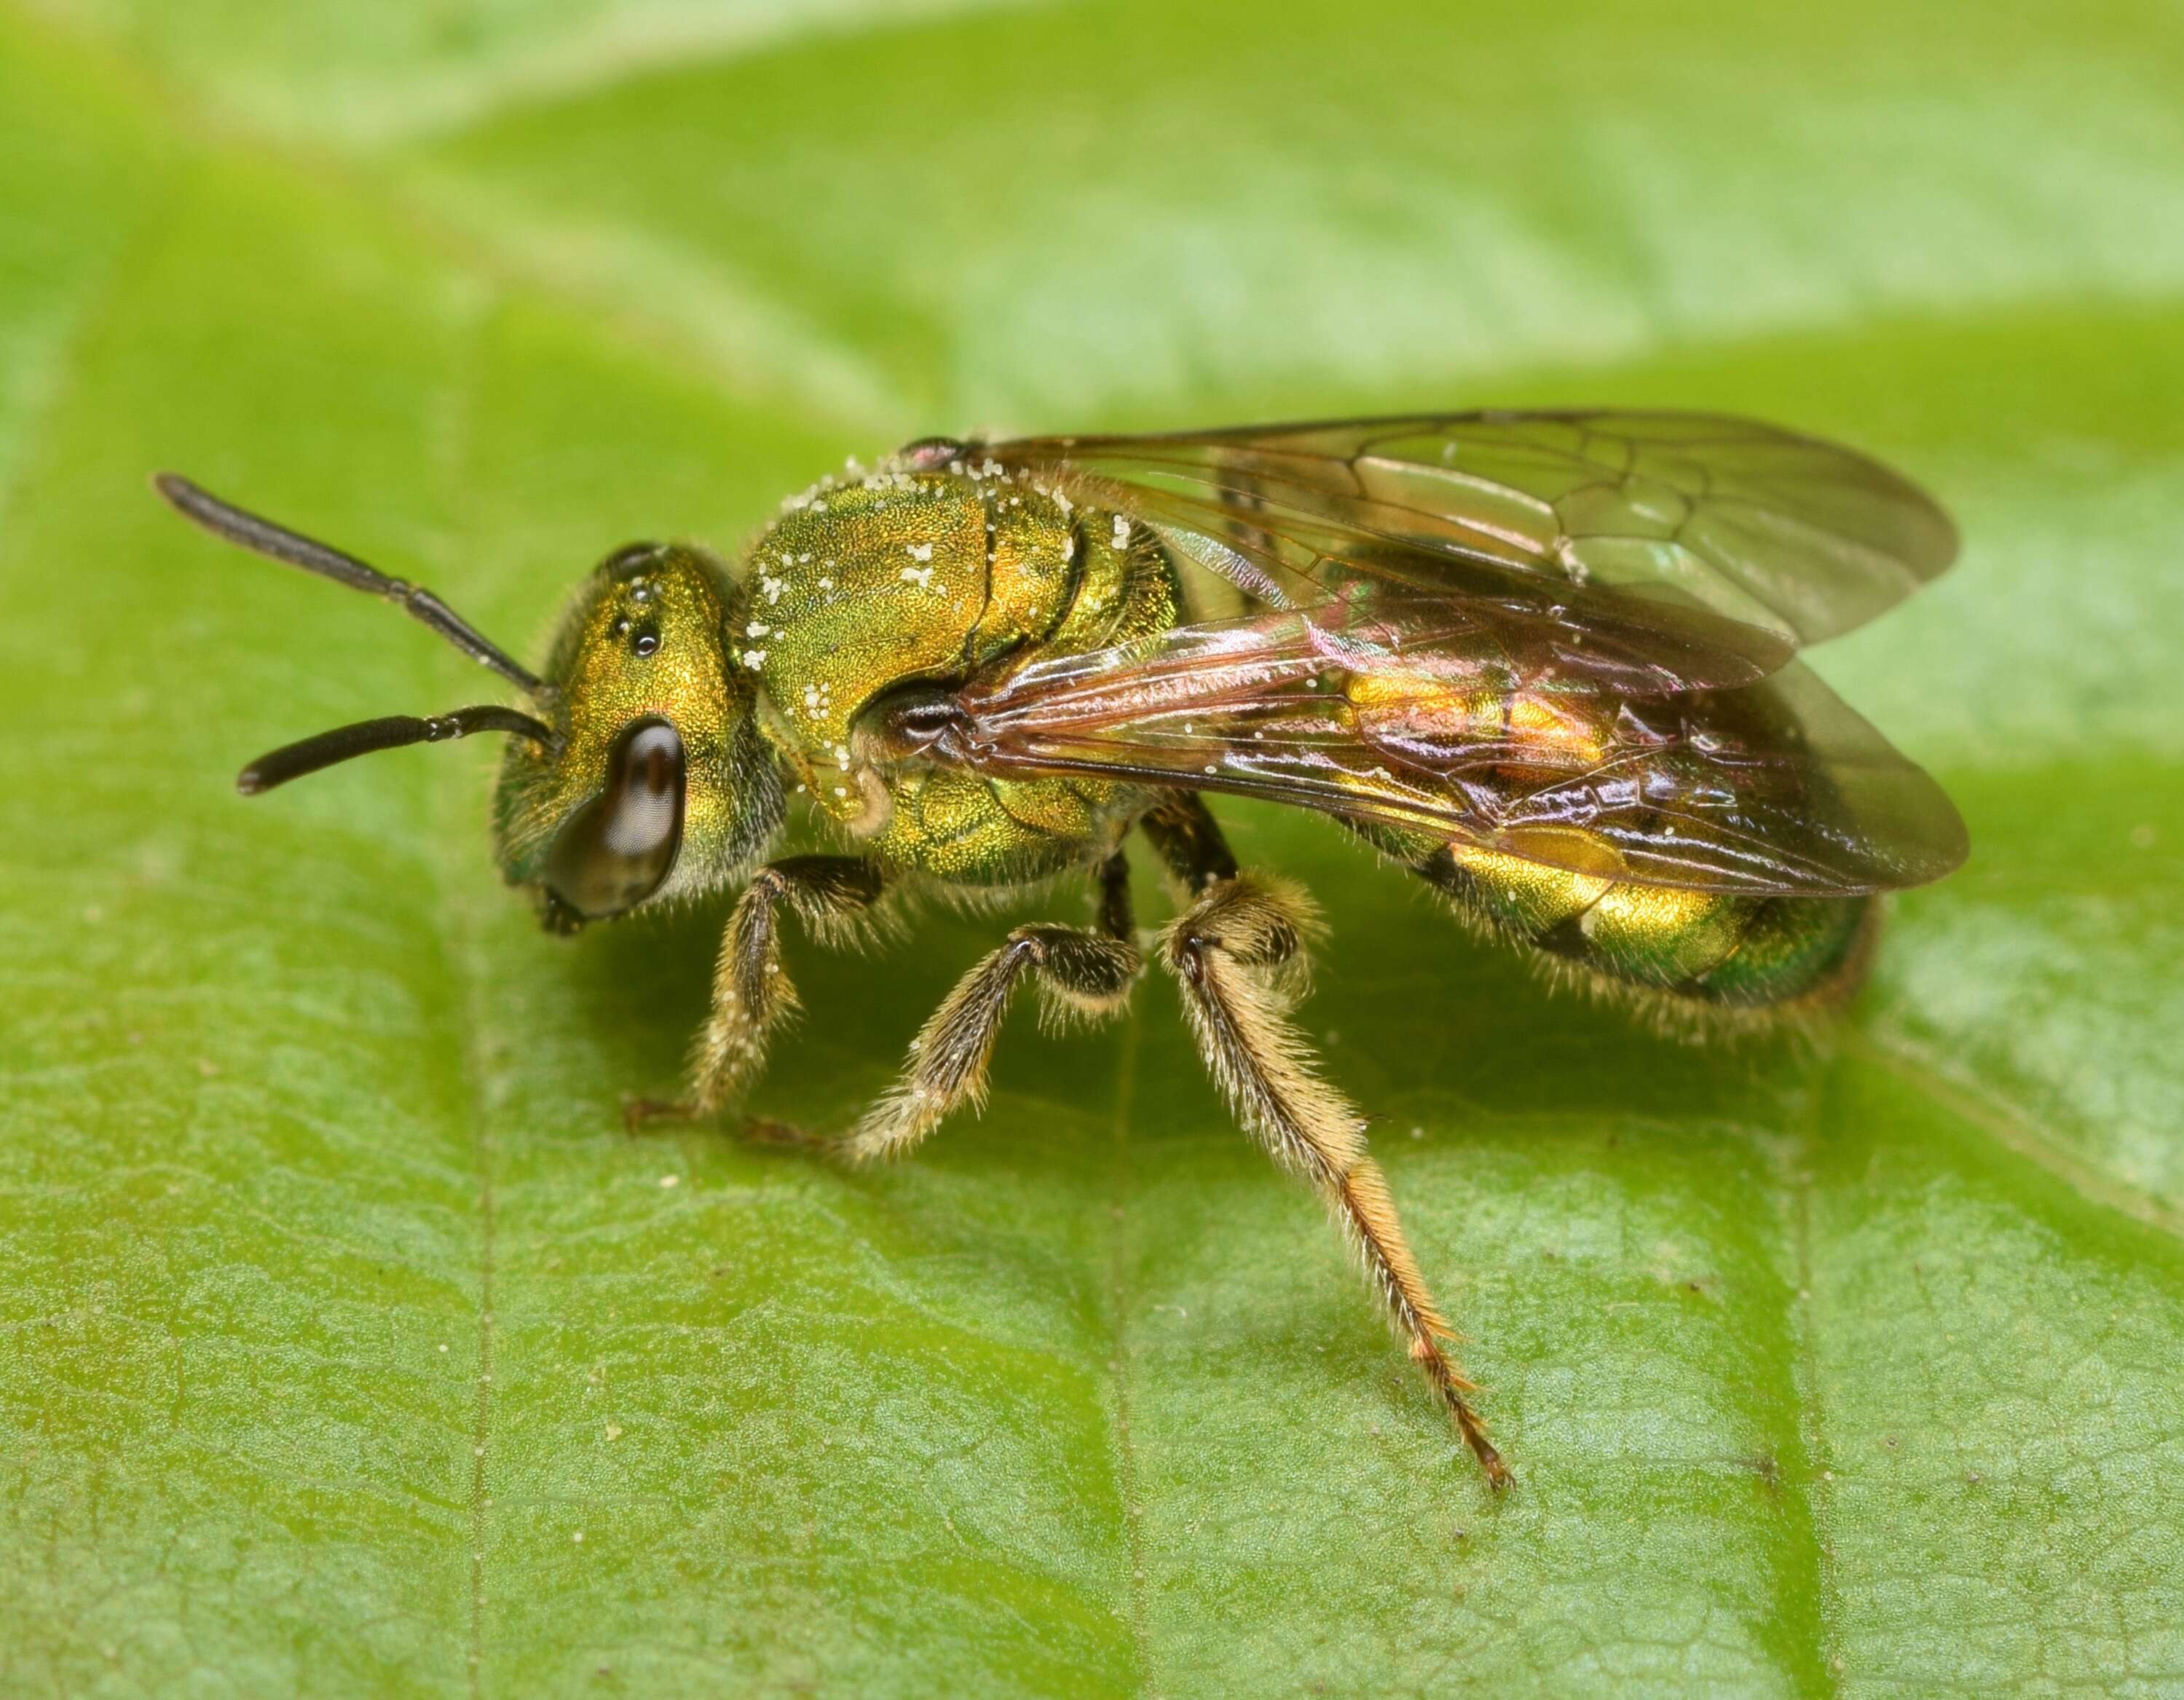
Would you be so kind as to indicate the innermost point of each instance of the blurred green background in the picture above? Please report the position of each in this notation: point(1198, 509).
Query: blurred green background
point(346, 1346)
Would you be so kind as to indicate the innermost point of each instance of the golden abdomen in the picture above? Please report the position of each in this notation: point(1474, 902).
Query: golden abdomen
point(1715, 949)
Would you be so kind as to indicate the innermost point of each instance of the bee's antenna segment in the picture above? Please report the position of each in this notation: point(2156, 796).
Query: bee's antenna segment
point(263, 536)
point(390, 731)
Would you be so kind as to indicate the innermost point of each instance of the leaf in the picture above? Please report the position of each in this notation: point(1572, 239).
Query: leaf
point(336, 1306)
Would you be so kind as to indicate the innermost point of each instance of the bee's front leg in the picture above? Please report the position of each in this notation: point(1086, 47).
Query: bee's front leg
point(751, 992)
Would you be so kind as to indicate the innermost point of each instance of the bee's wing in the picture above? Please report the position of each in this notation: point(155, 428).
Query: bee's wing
point(1413, 712)
point(1795, 538)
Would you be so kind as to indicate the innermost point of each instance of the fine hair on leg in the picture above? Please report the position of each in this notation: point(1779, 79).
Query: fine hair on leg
point(1082, 976)
point(1235, 954)
point(833, 896)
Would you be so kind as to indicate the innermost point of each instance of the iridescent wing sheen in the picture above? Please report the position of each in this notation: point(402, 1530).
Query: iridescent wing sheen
point(1396, 709)
point(1786, 535)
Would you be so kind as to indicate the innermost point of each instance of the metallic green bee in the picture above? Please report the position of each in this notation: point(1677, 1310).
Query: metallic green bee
point(1545, 660)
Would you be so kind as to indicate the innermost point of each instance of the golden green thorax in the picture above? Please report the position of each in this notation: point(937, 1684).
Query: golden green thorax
point(643, 640)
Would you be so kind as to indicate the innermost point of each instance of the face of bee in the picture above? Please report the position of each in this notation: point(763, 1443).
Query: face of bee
point(655, 784)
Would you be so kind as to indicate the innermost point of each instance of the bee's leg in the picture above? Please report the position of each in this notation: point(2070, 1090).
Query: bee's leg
point(1082, 976)
point(1236, 954)
point(1188, 839)
point(752, 994)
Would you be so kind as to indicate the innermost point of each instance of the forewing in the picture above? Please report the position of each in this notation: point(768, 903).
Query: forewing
point(1786, 535)
point(1414, 714)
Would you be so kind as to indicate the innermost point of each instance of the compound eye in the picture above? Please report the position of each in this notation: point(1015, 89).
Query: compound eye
point(628, 555)
point(616, 851)
point(930, 453)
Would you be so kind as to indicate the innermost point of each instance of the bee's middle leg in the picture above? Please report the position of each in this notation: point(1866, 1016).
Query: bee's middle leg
point(1082, 974)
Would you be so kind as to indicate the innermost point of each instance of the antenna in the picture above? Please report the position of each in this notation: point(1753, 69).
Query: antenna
point(263, 536)
point(390, 731)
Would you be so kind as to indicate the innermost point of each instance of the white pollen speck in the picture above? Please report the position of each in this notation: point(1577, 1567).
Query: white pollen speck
point(825, 584)
point(754, 658)
point(922, 577)
point(841, 790)
point(670, 1180)
point(1069, 547)
point(578, 1537)
point(1122, 532)
point(1211, 768)
point(758, 629)
point(918, 551)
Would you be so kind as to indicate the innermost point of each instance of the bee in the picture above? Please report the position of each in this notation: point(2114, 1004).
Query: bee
point(1546, 661)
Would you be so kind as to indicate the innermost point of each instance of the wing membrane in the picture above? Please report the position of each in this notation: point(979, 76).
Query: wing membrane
point(1416, 713)
point(1788, 536)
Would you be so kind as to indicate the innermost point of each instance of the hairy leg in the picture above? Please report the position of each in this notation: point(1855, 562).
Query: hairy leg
point(831, 895)
point(1082, 975)
point(1237, 953)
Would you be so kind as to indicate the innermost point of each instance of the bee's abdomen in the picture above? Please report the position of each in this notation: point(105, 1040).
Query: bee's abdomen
point(1711, 949)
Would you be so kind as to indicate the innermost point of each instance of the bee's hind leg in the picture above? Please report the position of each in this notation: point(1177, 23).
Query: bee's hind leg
point(1082, 975)
point(1237, 954)
point(751, 993)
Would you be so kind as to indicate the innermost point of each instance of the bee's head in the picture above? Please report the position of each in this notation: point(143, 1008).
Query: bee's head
point(642, 776)
point(656, 782)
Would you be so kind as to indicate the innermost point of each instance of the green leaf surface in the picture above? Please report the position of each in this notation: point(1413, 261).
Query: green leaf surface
point(347, 1346)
